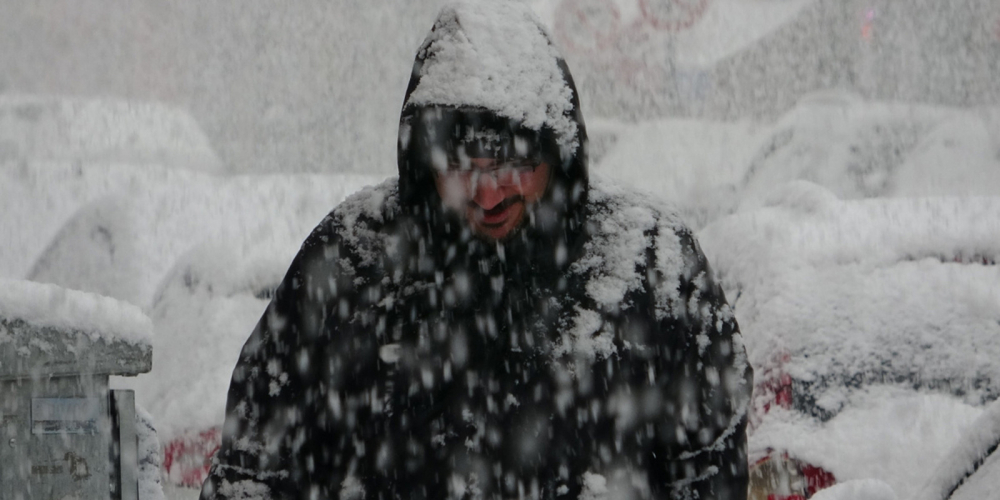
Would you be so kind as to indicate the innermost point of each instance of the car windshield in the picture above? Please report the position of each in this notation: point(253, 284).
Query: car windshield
point(838, 161)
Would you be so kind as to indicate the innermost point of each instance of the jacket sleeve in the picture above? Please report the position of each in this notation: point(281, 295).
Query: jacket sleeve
point(703, 374)
point(269, 425)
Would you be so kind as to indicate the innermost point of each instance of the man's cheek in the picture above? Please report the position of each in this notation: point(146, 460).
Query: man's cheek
point(453, 193)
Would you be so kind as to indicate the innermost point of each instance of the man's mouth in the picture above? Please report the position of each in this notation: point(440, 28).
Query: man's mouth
point(497, 215)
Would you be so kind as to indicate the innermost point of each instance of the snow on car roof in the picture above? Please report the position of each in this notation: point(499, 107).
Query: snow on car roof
point(49, 306)
point(104, 130)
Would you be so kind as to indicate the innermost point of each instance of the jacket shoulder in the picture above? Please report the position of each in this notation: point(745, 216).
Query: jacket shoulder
point(633, 236)
point(357, 224)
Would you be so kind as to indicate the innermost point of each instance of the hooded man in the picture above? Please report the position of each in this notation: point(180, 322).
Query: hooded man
point(491, 324)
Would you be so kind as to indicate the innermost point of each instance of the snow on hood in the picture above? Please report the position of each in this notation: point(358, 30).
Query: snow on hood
point(497, 56)
point(494, 65)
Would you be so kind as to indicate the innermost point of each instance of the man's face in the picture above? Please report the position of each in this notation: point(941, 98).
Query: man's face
point(493, 196)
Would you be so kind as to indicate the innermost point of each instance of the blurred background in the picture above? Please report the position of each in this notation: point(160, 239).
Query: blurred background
point(316, 85)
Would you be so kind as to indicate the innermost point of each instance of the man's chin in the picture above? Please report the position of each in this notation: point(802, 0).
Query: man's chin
point(494, 234)
point(498, 232)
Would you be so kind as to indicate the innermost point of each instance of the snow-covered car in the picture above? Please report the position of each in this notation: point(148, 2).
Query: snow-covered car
point(854, 147)
point(105, 130)
point(873, 326)
point(59, 154)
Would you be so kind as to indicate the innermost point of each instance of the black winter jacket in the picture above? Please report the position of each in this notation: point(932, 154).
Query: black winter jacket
point(590, 356)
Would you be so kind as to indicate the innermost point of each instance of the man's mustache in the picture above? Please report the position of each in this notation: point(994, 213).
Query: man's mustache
point(500, 207)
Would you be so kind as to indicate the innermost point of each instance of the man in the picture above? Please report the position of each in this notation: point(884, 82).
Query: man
point(490, 325)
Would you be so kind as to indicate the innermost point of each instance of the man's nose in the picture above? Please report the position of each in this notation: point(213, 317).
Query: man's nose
point(487, 193)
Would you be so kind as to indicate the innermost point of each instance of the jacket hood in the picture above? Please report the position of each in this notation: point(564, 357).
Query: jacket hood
point(488, 74)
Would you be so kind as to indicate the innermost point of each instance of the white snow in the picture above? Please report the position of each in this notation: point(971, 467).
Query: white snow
point(859, 489)
point(125, 243)
point(150, 455)
point(595, 487)
point(983, 435)
point(496, 55)
point(203, 264)
point(728, 26)
point(834, 284)
point(98, 317)
point(811, 267)
point(102, 130)
point(891, 434)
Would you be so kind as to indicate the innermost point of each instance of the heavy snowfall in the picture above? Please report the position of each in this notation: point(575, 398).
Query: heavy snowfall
point(838, 162)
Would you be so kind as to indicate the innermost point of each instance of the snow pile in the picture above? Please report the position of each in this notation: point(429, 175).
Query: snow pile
point(496, 55)
point(48, 306)
point(198, 253)
point(203, 312)
point(861, 302)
